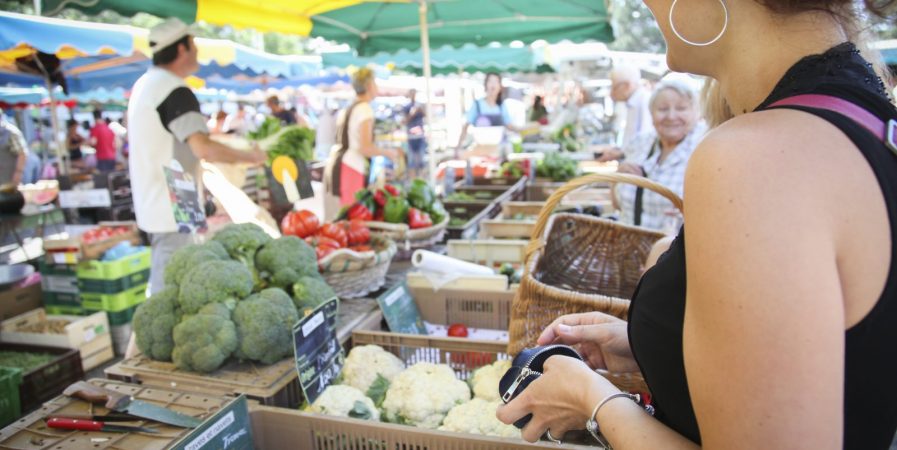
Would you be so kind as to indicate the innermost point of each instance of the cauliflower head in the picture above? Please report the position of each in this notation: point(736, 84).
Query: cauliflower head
point(224, 282)
point(202, 342)
point(265, 326)
point(345, 401)
point(153, 323)
point(478, 417)
point(190, 256)
point(283, 261)
point(423, 394)
point(484, 381)
point(365, 362)
point(309, 292)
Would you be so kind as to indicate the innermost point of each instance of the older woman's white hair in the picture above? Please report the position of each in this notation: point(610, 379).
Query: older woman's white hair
point(678, 86)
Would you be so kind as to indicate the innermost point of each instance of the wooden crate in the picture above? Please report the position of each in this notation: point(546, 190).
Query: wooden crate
point(475, 308)
point(506, 229)
point(417, 280)
point(31, 431)
point(489, 252)
point(89, 335)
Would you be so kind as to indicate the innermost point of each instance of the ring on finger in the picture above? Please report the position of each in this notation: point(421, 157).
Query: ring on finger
point(551, 438)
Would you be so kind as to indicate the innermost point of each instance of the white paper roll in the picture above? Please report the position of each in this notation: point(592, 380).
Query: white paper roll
point(428, 261)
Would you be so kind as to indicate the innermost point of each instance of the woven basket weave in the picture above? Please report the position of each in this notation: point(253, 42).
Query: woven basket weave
point(352, 274)
point(577, 263)
point(408, 239)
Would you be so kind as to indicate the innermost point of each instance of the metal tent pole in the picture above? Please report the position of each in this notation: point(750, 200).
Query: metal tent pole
point(425, 50)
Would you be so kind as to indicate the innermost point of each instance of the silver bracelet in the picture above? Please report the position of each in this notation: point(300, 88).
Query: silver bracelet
point(592, 423)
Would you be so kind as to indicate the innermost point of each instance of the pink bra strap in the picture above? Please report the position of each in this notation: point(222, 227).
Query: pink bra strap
point(887, 133)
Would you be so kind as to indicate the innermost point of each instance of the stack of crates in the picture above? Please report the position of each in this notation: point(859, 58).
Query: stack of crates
point(59, 284)
point(116, 287)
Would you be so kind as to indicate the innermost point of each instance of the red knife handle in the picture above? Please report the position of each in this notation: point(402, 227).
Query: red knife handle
point(75, 424)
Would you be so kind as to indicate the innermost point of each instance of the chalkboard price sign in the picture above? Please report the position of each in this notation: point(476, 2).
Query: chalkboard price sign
point(319, 356)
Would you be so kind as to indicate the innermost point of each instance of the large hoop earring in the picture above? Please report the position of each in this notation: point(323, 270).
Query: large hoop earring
point(699, 44)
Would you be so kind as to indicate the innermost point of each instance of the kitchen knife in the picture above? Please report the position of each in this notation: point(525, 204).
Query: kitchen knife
point(92, 425)
point(111, 417)
point(122, 403)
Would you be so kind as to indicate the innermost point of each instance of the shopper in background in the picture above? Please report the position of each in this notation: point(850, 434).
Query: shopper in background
point(13, 154)
point(165, 124)
point(626, 87)
point(285, 116)
point(239, 122)
point(348, 165)
point(73, 140)
point(216, 123)
point(661, 155)
point(417, 139)
point(489, 111)
point(770, 321)
point(103, 140)
point(539, 113)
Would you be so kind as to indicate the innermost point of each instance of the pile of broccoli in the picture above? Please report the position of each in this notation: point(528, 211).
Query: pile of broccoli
point(236, 296)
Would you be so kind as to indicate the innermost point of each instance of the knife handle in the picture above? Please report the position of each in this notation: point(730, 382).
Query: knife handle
point(74, 424)
point(95, 394)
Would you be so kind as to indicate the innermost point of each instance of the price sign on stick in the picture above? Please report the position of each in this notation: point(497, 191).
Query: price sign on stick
point(188, 211)
point(319, 356)
point(289, 180)
point(400, 311)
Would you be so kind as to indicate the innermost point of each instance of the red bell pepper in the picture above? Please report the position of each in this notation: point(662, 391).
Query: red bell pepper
point(418, 219)
point(392, 190)
point(360, 212)
point(380, 198)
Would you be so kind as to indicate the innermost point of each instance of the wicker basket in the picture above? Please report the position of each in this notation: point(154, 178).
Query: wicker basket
point(577, 263)
point(352, 274)
point(408, 239)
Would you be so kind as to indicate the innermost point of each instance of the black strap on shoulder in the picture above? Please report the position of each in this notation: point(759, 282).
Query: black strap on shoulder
point(336, 178)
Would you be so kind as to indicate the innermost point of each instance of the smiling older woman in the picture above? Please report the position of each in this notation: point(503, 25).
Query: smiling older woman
point(662, 156)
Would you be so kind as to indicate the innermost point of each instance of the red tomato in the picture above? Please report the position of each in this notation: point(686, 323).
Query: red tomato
point(323, 245)
point(356, 231)
point(334, 232)
point(457, 330)
point(300, 223)
point(361, 248)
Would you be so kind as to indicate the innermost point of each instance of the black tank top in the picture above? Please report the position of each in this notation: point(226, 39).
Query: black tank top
point(870, 385)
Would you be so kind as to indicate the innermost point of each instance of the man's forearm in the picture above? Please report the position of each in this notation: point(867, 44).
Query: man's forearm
point(214, 151)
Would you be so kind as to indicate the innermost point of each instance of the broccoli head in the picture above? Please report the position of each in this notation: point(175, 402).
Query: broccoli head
point(284, 260)
point(242, 241)
point(265, 326)
point(191, 256)
point(309, 292)
point(202, 342)
point(224, 282)
point(153, 324)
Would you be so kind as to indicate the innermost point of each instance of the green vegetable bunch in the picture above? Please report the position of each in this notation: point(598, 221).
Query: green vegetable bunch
point(270, 126)
point(238, 295)
point(557, 167)
point(295, 142)
point(566, 137)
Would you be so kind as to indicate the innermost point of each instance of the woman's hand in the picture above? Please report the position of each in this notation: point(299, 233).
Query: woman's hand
point(560, 400)
point(601, 339)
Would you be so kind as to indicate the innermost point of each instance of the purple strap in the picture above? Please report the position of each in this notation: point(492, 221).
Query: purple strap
point(887, 133)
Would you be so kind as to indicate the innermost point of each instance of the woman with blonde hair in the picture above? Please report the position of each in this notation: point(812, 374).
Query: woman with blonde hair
point(347, 168)
point(779, 331)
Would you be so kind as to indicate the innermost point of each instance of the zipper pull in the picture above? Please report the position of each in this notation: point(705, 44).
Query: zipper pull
point(510, 392)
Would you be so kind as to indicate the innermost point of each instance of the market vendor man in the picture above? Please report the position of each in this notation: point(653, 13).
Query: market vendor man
point(626, 88)
point(165, 124)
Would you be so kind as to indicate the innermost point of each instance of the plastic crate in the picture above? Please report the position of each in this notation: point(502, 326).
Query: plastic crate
point(62, 300)
point(472, 213)
point(100, 286)
point(10, 404)
point(49, 380)
point(60, 310)
point(122, 317)
point(113, 270)
point(47, 269)
point(113, 302)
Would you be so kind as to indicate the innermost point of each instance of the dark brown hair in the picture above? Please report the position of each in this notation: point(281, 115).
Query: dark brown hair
point(880, 7)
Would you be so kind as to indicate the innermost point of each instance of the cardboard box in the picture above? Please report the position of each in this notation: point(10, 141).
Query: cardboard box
point(20, 299)
point(90, 335)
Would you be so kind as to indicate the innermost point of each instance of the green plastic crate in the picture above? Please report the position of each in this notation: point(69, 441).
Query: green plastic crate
point(65, 270)
point(118, 318)
point(99, 286)
point(10, 404)
point(113, 270)
point(63, 299)
point(113, 302)
point(58, 310)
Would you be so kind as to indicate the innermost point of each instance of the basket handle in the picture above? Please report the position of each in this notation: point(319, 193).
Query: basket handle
point(536, 241)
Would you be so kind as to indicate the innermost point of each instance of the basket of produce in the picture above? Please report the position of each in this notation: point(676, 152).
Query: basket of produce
point(578, 263)
point(234, 297)
point(351, 260)
point(414, 218)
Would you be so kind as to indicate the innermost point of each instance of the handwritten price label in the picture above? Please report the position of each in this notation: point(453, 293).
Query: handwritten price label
point(319, 356)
